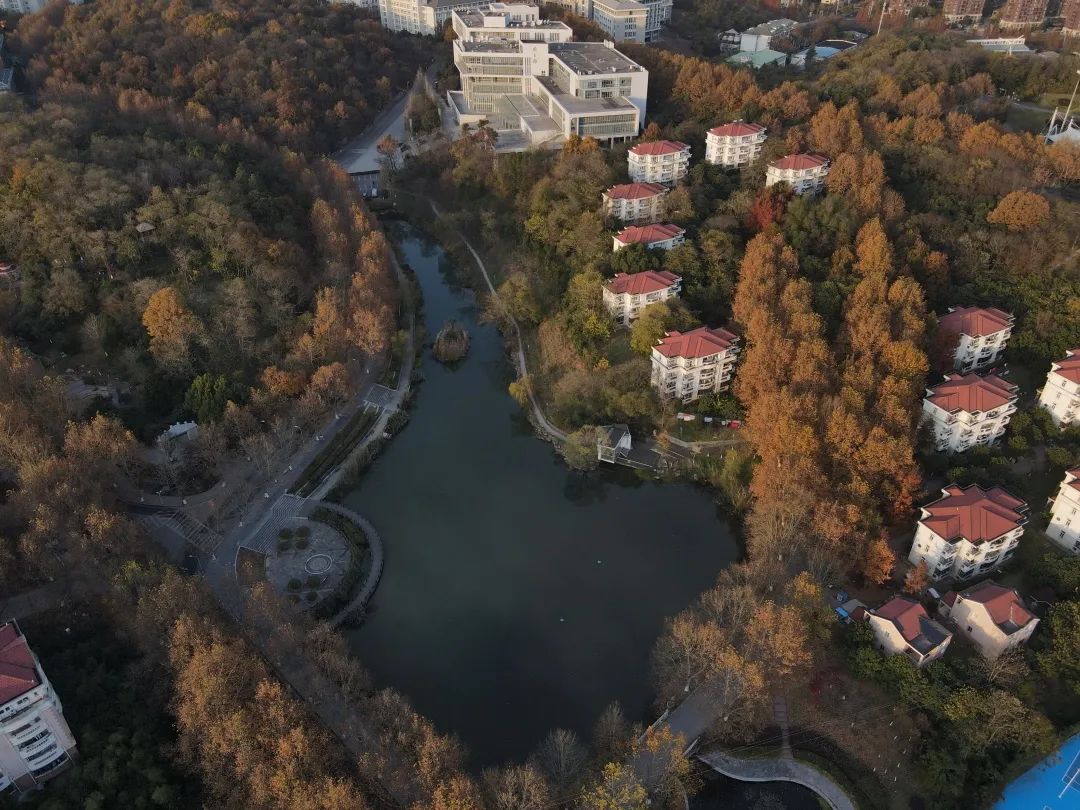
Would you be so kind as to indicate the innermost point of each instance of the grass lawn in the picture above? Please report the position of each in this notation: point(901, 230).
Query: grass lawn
point(1022, 119)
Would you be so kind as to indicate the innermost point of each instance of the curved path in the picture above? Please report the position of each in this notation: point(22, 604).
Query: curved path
point(378, 557)
point(780, 770)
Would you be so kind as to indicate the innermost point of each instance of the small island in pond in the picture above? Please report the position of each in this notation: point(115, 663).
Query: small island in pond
point(452, 343)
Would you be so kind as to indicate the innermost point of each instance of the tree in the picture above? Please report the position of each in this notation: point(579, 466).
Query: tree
point(917, 579)
point(561, 757)
point(206, 397)
point(517, 787)
point(877, 561)
point(579, 449)
point(172, 327)
point(777, 638)
point(389, 149)
point(1061, 660)
point(1020, 211)
point(617, 789)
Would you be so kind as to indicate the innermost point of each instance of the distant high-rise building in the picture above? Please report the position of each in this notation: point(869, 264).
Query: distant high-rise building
point(1023, 13)
point(35, 741)
point(1070, 10)
point(29, 6)
point(963, 10)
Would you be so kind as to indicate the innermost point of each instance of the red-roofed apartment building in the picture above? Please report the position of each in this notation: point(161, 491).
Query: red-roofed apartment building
point(973, 337)
point(902, 625)
point(967, 409)
point(686, 365)
point(628, 293)
point(993, 618)
point(1064, 526)
point(654, 237)
point(35, 741)
point(658, 162)
point(804, 173)
point(637, 203)
point(734, 145)
point(968, 531)
point(1061, 394)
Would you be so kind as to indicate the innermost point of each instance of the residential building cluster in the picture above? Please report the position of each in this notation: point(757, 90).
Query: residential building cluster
point(627, 294)
point(686, 365)
point(653, 237)
point(664, 162)
point(1061, 393)
point(735, 145)
point(35, 741)
point(805, 173)
point(966, 410)
point(636, 203)
point(973, 337)
point(1064, 526)
point(622, 20)
point(531, 83)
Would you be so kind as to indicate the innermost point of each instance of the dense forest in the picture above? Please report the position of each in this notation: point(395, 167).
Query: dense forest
point(931, 202)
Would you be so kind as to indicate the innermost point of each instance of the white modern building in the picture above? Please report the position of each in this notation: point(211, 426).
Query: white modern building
point(35, 741)
point(973, 337)
point(734, 145)
point(902, 627)
point(968, 532)
point(967, 410)
point(648, 16)
point(30, 6)
point(804, 173)
point(627, 294)
point(993, 618)
point(658, 162)
point(622, 20)
point(654, 237)
point(686, 365)
point(1064, 526)
point(636, 203)
point(760, 37)
point(531, 84)
point(422, 16)
point(1061, 394)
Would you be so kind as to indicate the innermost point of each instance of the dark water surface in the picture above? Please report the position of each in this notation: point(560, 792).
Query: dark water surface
point(518, 596)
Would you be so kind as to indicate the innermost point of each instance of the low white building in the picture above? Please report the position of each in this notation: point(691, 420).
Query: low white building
point(422, 16)
point(804, 173)
point(686, 365)
point(627, 294)
point(734, 145)
point(658, 162)
point(760, 37)
point(637, 203)
point(973, 337)
point(968, 532)
point(622, 20)
point(1064, 526)
point(902, 627)
point(654, 237)
point(993, 618)
point(35, 741)
point(1061, 394)
point(967, 410)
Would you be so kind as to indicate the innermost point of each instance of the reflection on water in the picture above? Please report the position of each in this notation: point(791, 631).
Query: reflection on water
point(518, 595)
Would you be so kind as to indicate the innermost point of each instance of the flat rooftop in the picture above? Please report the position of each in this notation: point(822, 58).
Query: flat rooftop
point(507, 46)
point(584, 106)
point(620, 5)
point(589, 58)
point(475, 19)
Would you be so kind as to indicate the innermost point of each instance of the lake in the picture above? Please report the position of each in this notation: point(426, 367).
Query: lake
point(518, 596)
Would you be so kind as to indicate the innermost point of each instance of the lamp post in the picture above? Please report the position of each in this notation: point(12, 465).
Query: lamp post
point(881, 19)
point(1072, 98)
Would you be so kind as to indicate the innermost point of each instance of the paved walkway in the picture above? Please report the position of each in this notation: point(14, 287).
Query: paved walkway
point(46, 597)
point(780, 770)
point(378, 558)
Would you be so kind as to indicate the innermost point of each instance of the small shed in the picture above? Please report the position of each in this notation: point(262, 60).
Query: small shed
point(612, 443)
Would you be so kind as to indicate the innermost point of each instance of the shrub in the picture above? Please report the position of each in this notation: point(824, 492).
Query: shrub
point(313, 581)
point(312, 596)
point(302, 544)
point(284, 545)
point(295, 584)
point(294, 599)
point(303, 531)
point(285, 534)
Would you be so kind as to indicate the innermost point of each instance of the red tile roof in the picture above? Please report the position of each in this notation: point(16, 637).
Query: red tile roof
point(799, 162)
point(736, 129)
point(18, 674)
point(1069, 368)
point(635, 191)
point(659, 148)
point(905, 614)
point(974, 514)
point(1003, 604)
point(949, 598)
point(974, 321)
point(1075, 482)
point(648, 234)
point(642, 283)
point(971, 393)
point(700, 342)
